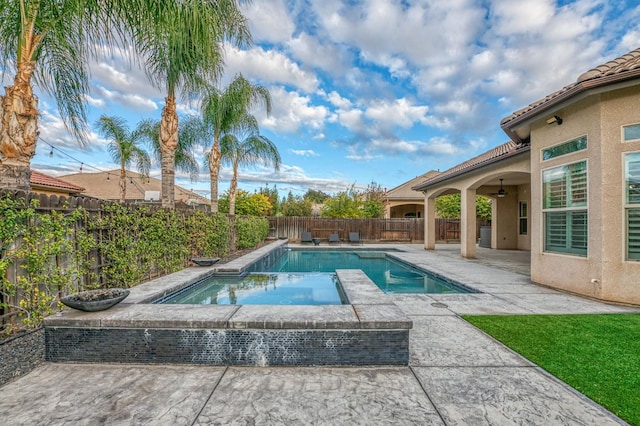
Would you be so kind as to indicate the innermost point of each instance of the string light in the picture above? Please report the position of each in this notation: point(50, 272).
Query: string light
point(82, 164)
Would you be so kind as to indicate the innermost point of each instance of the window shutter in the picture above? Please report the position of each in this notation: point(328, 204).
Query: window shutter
point(633, 238)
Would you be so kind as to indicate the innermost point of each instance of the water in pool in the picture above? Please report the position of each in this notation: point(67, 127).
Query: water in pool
point(264, 289)
point(388, 274)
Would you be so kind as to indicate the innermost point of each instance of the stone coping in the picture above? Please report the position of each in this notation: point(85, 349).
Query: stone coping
point(368, 309)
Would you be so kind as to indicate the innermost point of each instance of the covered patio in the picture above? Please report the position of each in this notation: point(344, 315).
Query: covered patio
point(502, 174)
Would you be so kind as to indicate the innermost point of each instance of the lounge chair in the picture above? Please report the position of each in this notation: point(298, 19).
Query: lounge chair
point(334, 238)
point(354, 238)
point(306, 237)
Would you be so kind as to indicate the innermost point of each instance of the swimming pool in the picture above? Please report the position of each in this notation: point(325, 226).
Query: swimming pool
point(264, 289)
point(390, 275)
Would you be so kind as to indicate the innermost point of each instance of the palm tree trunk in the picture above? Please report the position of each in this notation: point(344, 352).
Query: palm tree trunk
point(233, 190)
point(214, 171)
point(168, 144)
point(123, 184)
point(19, 130)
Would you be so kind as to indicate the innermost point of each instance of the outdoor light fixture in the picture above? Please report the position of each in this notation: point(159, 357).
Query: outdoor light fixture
point(554, 119)
point(501, 192)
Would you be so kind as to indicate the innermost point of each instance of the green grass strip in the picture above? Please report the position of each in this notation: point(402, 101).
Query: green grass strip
point(599, 355)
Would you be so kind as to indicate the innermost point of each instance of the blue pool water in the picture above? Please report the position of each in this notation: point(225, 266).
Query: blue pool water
point(264, 289)
point(389, 274)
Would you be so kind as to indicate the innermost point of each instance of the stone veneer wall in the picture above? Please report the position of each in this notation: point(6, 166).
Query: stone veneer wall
point(21, 354)
point(229, 347)
point(370, 330)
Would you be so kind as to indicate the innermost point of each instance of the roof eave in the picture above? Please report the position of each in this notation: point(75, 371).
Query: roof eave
point(422, 187)
point(584, 86)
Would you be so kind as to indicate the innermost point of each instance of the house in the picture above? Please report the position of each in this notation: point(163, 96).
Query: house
point(404, 201)
point(50, 185)
point(106, 186)
point(566, 186)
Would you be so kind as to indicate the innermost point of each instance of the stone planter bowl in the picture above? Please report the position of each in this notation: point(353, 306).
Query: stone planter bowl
point(95, 300)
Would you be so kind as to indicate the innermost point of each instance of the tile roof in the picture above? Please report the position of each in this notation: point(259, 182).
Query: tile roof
point(40, 179)
point(105, 185)
point(406, 191)
point(499, 153)
point(623, 68)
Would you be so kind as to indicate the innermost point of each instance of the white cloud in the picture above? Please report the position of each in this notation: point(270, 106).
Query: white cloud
point(304, 152)
point(269, 21)
point(132, 101)
point(528, 16)
point(400, 112)
point(291, 112)
point(269, 66)
point(319, 54)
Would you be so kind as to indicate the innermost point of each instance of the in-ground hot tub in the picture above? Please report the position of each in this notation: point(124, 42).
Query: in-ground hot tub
point(368, 330)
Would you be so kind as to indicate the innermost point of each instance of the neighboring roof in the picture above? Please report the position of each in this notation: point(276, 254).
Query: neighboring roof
point(499, 153)
point(44, 181)
point(105, 185)
point(406, 191)
point(626, 67)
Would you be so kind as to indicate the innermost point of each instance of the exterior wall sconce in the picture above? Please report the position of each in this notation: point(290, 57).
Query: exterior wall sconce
point(554, 119)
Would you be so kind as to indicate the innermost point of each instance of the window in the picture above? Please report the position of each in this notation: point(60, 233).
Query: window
point(523, 216)
point(631, 133)
point(632, 204)
point(565, 209)
point(565, 148)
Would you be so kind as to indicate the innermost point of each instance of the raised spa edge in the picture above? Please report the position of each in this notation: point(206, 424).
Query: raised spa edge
point(370, 330)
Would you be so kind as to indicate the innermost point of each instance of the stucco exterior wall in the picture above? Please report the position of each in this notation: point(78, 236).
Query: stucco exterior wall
point(603, 273)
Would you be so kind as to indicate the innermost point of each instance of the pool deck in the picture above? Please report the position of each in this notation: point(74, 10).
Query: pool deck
point(457, 375)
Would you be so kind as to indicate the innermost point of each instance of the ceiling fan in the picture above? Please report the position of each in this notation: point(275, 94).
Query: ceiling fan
point(501, 192)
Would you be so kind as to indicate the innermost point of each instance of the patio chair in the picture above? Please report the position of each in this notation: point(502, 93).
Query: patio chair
point(354, 238)
point(306, 237)
point(334, 238)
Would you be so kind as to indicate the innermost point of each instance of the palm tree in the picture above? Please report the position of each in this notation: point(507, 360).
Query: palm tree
point(48, 44)
point(221, 111)
point(182, 51)
point(185, 160)
point(244, 146)
point(123, 147)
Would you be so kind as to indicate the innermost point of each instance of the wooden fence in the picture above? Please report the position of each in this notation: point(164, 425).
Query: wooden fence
point(371, 230)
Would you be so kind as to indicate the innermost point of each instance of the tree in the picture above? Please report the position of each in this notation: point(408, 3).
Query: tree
point(246, 204)
point(375, 197)
point(272, 194)
point(448, 207)
point(345, 205)
point(181, 47)
point(317, 197)
point(221, 111)
point(123, 147)
point(246, 147)
point(185, 160)
point(49, 44)
point(296, 206)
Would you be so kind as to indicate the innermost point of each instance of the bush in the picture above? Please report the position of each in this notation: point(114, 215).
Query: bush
point(251, 231)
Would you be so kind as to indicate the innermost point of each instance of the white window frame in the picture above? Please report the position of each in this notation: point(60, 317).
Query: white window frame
point(629, 206)
point(622, 138)
point(521, 218)
point(542, 150)
point(568, 210)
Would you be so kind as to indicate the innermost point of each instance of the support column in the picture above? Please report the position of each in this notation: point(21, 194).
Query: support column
point(468, 223)
point(429, 223)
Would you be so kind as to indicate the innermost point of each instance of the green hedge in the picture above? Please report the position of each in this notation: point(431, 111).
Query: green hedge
point(60, 252)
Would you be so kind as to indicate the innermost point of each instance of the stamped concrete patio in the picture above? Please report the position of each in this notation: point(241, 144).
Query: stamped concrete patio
point(457, 374)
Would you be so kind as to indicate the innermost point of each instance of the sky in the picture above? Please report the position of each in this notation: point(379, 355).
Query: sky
point(374, 90)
